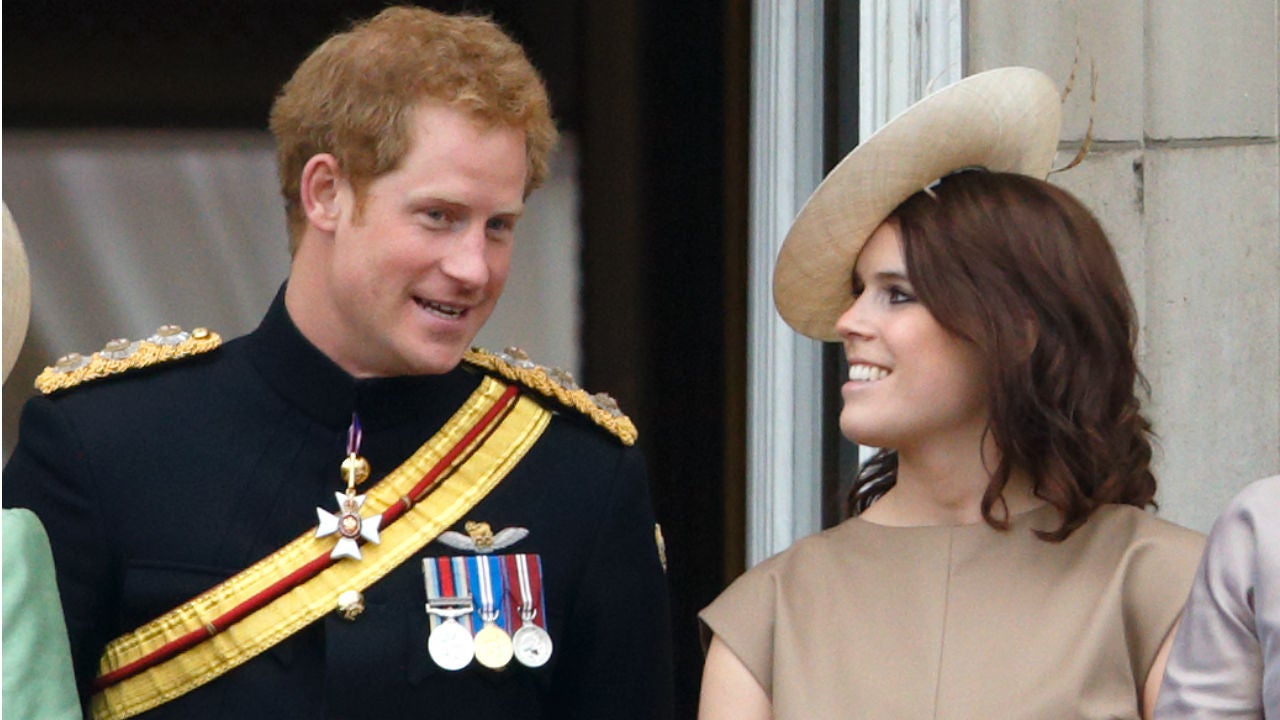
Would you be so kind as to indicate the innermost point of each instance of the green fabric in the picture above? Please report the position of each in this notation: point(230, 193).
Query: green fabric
point(38, 680)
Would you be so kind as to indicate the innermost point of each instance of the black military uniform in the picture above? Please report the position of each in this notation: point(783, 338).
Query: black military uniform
point(157, 484)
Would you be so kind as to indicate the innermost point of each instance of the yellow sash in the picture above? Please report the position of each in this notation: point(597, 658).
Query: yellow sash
point(452, 498)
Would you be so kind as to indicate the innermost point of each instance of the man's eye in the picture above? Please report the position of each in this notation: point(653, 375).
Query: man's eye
point(436, 217)
point(501, 228)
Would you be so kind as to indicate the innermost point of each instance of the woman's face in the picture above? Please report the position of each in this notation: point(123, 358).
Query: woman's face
point(911, 382)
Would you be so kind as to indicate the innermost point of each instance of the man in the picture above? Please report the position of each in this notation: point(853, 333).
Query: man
point(254, 530)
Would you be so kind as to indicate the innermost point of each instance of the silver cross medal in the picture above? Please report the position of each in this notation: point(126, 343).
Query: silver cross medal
point(347, 523)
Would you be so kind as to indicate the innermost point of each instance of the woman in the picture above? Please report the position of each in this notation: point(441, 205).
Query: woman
point(999, 563)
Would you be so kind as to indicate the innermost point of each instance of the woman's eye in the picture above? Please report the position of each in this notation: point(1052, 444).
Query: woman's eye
point(898, 295)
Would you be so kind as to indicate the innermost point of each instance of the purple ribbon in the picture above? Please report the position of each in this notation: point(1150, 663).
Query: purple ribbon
point(354, 435)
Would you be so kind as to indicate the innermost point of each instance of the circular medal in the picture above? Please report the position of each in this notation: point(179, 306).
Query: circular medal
point(451, 646)
point(493, 647)
point(532, 645)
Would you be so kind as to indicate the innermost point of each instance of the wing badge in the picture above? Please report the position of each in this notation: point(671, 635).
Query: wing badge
point(480, 538)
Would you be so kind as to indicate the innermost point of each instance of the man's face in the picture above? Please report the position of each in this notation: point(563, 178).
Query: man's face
point(416, 274)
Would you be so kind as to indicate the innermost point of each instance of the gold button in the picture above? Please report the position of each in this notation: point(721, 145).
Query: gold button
point(350, 604)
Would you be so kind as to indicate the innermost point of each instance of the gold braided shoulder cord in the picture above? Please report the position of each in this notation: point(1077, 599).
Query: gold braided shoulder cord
point(169, 342)
point(514, 364)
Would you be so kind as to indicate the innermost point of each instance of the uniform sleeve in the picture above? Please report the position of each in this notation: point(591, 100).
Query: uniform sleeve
point(38, 682)
point(1215, 668)
point(743, 617)
point(619, 663)
point(50, 475)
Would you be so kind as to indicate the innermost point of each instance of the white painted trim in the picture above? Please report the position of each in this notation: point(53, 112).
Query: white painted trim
point(784, 370)
point(906, 48)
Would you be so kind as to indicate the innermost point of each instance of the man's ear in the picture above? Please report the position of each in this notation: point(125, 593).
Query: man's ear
point(321, 178)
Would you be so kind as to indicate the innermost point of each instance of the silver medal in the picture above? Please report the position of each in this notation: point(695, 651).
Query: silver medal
point(532, 645)
point(450, 645)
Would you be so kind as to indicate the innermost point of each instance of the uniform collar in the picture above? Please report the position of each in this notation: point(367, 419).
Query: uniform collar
point(309, 380)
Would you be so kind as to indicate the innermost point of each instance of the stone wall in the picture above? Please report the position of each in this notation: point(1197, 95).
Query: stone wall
point(1184, 175)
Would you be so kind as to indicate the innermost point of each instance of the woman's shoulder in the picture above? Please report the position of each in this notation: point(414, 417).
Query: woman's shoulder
point(1153, 553)
point(1141, 526)
point(819, 550)
point(807, 565)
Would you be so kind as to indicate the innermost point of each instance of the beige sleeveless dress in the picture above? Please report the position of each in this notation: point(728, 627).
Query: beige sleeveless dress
point(961, 623)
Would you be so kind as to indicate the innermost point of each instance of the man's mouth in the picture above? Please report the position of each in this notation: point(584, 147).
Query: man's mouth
point(450, 312)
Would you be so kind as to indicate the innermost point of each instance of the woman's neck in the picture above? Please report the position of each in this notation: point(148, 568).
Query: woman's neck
point(943, 484)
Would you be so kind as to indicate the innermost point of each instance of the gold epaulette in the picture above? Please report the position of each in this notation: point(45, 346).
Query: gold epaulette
point(169, 342)
point(514, 364)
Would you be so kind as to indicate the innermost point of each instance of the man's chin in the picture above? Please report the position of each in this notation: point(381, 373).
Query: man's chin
point(436, 361)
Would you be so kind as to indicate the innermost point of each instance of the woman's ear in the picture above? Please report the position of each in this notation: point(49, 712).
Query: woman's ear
point(319, 191)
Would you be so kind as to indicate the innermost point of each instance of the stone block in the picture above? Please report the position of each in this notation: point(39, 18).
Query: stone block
point(1211, 69)
point(1213, 322)
point(1044, 35)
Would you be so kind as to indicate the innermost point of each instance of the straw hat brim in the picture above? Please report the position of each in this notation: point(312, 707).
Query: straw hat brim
point(17, 293)
point(1005, 120)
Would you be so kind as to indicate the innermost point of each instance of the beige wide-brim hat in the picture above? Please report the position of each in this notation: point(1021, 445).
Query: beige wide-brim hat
point(17, 293)
point(1004, 120)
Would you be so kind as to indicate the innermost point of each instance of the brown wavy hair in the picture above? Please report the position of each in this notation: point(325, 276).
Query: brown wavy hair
point(1021, 269)
point(354, 96)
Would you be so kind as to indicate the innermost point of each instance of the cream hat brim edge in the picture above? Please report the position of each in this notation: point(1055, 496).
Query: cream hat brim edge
point(1005, 120)
point(17, 293)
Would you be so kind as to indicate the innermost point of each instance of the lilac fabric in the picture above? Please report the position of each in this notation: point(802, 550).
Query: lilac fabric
point(1225, 661)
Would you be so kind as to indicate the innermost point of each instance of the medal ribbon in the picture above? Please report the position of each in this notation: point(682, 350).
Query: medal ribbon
point(529, 587)
point(431, 578)
point(490, 610)
point(438, 576)
point(354, 435)
point(462, 586)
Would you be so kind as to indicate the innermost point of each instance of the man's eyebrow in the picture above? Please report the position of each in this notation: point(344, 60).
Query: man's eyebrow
point(444, 199)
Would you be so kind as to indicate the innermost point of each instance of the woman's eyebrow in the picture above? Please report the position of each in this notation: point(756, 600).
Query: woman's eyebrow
point(885, 276)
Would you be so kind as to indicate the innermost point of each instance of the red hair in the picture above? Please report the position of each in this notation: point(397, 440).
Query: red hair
point(354, 96)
